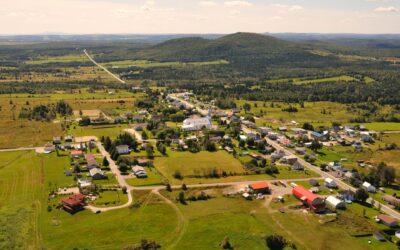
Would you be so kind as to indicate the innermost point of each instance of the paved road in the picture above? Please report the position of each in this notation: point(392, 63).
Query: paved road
point(120, 178)
point(188, 104)
point(103, 68)
point(338, 181)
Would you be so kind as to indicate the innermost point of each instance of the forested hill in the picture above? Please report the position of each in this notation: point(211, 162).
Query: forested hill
point(243, 48)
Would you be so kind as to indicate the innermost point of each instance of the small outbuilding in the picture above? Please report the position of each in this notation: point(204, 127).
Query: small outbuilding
point(370, 188)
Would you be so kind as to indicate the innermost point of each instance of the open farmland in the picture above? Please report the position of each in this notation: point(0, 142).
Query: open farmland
point(342, 78)
point(152, 64)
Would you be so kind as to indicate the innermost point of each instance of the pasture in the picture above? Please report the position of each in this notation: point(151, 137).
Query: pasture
point(342, 78)
point(153, 64)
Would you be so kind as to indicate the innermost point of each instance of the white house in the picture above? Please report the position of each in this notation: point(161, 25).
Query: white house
point(330, 183)
point(197, 123)
point(367, 186)
point(334, 202)
point(96, 173)
point(365, 136)
point(122, 149)
point(335, 165)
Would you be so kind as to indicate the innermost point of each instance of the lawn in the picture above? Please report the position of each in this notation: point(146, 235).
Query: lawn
point(383, 126)
point(153, 179)
point(110, 199)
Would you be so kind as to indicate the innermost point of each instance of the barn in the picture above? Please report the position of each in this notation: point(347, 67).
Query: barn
point(313, 201)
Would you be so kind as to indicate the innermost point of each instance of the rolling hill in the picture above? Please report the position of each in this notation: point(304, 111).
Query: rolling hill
point(240, 49)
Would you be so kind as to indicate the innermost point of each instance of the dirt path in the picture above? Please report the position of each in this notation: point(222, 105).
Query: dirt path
point(182, 223)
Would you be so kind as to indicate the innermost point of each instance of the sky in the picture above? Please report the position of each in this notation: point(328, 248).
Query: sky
point(198, 16)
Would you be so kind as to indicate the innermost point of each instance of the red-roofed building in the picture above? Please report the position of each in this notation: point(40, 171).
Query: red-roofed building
point(313, 201)
point(76, 153)
point(260, 187)
point(74, 203)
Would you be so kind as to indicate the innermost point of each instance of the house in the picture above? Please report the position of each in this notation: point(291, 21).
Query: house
point(264, 130)
point(122, 149)
point(334, 202)
point(334, 166)
point(138, 126)
point(314, 190)
point(313, 201)
point(260, 187)
point(137, 118)
point(289, 159)
point(157, 118)
point(249, 124)
point(253, 136)
point(235, 110)
point(215, 139)
point(282, 129)
point(394, 201)
point(255, 156)
point(143, 162)
point(300, 150)
point(319, 137)
point(297, 166)
point(69, 138)
point(197, 123)
point(370, 188)
point(273, 136)
point(350, 132)
point(386, 220)
point(56, 140)
point(299, 131)
point(76, 154)
point(313, 182)
point(74, 203)
point(278, 154)
point(143, 112)
point(91, 161)
point(139, 172)
point(96, 173)
point(346, 195)
point(365, 136)
point(349, 175)
point(48, 148)
point(329, 183)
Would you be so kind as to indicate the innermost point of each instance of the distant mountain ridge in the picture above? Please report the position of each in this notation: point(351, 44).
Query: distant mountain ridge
point(239, 48)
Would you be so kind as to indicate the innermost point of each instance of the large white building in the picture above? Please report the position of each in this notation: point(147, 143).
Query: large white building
point(197, 123)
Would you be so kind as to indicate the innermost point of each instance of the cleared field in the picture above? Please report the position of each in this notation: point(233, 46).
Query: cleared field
point(342, 78)
point(383, 126)
point(208, 222)
point(103, 130)
point(193, 166)
point(15, 132)
point(59, 59)
point(272, 114)
point(153, 64)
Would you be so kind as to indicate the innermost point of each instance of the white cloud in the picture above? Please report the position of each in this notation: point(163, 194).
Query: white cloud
point(238, 3)
point(285, 7)
point(207, 3)
point(386, 9)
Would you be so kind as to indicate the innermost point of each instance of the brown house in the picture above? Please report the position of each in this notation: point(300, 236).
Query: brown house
point(74, 203)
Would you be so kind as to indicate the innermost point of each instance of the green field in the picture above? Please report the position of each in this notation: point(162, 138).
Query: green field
point(342, 78)
point(152, 64)
point(59, 59)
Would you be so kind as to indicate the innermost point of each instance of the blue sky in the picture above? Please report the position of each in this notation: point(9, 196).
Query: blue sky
point(199, 16)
